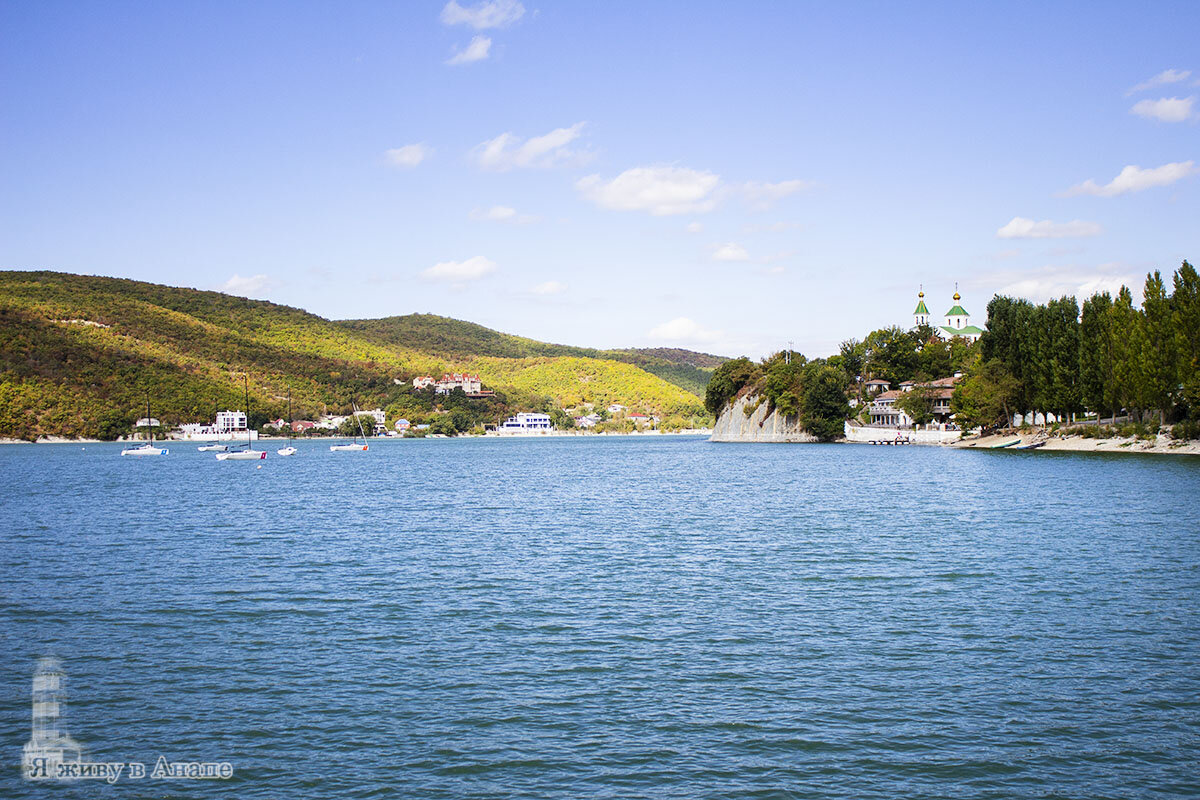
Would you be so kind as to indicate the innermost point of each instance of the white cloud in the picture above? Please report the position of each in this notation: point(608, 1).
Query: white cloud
point(774, 227)
point(1135, 179)
point(506, 151)
point(550, 287)
point(730, 251)
point(408, 156)
point(502, 214)
point(493, 14)
point(762, 196)
point(1166, 109)
point(244, 287)
point(695, 227)
point(477, 50)
point(658, 190)
point(460, 272)
point(682, 330)
point(1022, 228)
point(1056, 281)
point(1161, 79)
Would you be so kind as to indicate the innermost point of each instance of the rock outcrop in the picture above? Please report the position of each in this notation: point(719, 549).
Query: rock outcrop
point(736, 425)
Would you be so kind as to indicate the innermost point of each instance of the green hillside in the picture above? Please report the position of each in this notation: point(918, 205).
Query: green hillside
point(79, 353)
point(457, 340)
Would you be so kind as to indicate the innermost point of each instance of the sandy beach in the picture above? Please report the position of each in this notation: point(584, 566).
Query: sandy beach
point(1160, 444)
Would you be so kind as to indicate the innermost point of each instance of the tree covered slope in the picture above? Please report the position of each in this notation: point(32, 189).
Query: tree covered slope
point(79, 353)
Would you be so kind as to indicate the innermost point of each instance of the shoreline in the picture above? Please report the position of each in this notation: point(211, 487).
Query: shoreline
point(1160, 445)
point(553, 435)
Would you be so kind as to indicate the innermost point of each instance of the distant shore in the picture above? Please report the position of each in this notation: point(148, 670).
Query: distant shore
point(553, 434)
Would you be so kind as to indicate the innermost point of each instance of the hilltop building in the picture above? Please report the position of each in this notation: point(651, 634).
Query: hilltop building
point(470, 384)
point(958, 321)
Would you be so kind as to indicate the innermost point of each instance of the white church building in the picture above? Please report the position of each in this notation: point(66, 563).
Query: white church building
point(957, 320)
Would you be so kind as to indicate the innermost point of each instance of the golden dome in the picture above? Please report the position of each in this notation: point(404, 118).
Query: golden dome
point(957, 297)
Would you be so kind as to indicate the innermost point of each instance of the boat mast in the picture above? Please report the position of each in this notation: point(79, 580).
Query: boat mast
point(246, 386)
point(149, 427)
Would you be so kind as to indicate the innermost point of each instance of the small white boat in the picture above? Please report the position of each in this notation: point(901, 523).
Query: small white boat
point(356, 446)
point(242, 455)
point(249, 454)
point(286, 451)
point(213, 448)
point(146, 450)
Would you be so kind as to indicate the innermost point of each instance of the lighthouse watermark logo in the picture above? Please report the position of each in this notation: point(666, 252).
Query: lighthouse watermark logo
point(52, 755)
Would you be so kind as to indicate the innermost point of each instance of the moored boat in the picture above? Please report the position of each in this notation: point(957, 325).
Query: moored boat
point(354, 446)
point(286, 451)
point(213, 448)
point(242, 455)
point(249, 454)
point(147, 449)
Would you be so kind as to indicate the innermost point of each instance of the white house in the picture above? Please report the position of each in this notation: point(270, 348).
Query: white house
point(616, 408)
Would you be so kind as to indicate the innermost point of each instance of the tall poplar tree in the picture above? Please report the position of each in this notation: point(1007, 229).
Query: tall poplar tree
point(1096, 355)
point(1159, 369)
point(1186, 311)
point(1127, 349)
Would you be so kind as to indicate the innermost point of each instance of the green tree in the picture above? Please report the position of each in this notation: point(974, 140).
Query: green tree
point(1096, 354)
point(1186, 310)
point(892, 354)
point(1159, 368)
point(986, 396)
point(444, 425)
point(1128, 338)
point(727, 380)
point(561, 420)
point(825, 407)
point(917, 403)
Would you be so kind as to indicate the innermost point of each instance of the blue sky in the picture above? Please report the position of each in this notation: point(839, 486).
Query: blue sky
point(723, 176)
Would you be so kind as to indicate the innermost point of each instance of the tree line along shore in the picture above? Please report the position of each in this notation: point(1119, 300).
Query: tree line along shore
point(1108, 361)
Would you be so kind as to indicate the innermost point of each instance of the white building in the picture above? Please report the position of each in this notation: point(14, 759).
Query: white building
point(230, 421)
point(228, 425)
point(525, 422)
point(376, 414)
point(617, 408)
point(958, 321)
point(423, 382)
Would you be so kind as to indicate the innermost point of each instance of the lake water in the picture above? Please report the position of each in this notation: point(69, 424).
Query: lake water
point(610, 617)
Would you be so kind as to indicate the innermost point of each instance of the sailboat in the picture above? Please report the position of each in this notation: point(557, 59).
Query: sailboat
point(249, 454)
point(355, 447)
point(147, 449)
point(213, 447)
point(289, 450)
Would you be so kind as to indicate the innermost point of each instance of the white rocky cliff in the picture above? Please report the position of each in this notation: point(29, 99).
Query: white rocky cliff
point(736, 425)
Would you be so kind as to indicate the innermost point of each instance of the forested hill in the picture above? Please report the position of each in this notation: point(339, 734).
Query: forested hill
point(464, 341)
point(79, 353)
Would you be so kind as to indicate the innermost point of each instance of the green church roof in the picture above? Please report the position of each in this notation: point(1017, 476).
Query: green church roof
point(921, 309)
point(957, 311)
point(966, 330)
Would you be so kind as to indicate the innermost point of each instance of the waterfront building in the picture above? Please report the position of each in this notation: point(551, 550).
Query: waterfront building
point(884, 411)
point(228, 425)
point(525, 422)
